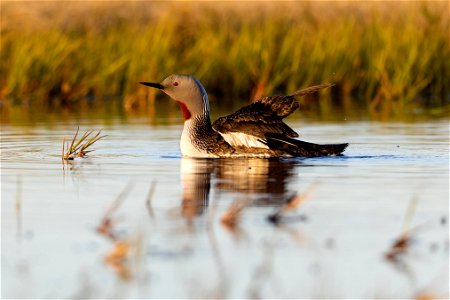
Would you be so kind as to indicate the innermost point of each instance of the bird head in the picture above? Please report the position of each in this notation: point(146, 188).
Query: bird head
point(187, 91)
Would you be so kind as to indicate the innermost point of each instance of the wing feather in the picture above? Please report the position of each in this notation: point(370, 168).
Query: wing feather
point(261, 117)
point(265, 116)
point(311, 90)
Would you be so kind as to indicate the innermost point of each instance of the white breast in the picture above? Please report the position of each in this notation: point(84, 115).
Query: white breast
point(188, 147)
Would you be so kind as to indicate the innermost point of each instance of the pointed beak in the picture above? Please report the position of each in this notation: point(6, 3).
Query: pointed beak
point(153, 85)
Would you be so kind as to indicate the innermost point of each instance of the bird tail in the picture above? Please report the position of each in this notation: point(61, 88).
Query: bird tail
point(301, 148)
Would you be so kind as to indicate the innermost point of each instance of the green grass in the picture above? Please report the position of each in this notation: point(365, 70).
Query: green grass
point(388, 56)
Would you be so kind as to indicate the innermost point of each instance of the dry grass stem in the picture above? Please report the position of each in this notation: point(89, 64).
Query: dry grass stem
point(78, 148)
point(117, 259)
point(398, 248)
point(230, 218)
point(148, 202)
point(106, 226)
point(296, 200)
point(402, 243)
point(292, 203)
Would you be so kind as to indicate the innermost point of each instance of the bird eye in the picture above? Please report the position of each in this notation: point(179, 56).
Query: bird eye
point(175, 83)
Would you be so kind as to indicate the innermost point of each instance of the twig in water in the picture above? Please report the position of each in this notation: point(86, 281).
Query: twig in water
point(148, 202)
point(230, 218)
point(117, 259)
point(78, 148)
point(398, 247)
point(292, 203)
point(402, 243)
point(106, 225)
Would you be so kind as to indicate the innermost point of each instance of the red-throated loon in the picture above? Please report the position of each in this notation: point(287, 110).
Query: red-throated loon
point(256, 130)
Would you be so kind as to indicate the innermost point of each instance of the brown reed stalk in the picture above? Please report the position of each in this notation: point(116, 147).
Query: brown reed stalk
point(79, 148)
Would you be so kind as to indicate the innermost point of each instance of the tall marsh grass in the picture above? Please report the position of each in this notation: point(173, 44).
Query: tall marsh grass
point(387, 56)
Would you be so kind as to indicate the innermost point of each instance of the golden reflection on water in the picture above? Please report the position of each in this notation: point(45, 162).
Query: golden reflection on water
point(262, 180)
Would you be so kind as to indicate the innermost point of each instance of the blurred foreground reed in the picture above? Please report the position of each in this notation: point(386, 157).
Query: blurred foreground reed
point(387, 56)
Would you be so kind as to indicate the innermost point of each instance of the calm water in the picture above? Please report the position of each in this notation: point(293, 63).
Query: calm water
point(394, 177)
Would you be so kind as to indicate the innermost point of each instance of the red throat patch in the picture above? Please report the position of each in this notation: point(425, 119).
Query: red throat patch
point(185, 111)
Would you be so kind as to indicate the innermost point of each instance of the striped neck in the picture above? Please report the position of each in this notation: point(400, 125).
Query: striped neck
point(195, 139)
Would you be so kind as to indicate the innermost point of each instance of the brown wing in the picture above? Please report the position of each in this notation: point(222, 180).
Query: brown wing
point(260, 117)
point(265, 115)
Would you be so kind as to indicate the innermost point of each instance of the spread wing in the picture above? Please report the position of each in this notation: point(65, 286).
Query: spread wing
point(261, 118)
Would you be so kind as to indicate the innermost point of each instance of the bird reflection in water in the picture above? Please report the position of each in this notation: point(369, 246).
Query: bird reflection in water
point(258, 181)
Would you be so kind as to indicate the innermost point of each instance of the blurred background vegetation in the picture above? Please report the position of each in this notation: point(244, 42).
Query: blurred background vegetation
point(386, 58)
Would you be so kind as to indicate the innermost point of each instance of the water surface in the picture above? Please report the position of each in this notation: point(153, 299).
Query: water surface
point(392, 179)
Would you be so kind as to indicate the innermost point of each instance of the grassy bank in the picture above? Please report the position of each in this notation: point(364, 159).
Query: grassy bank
point(387, 56)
